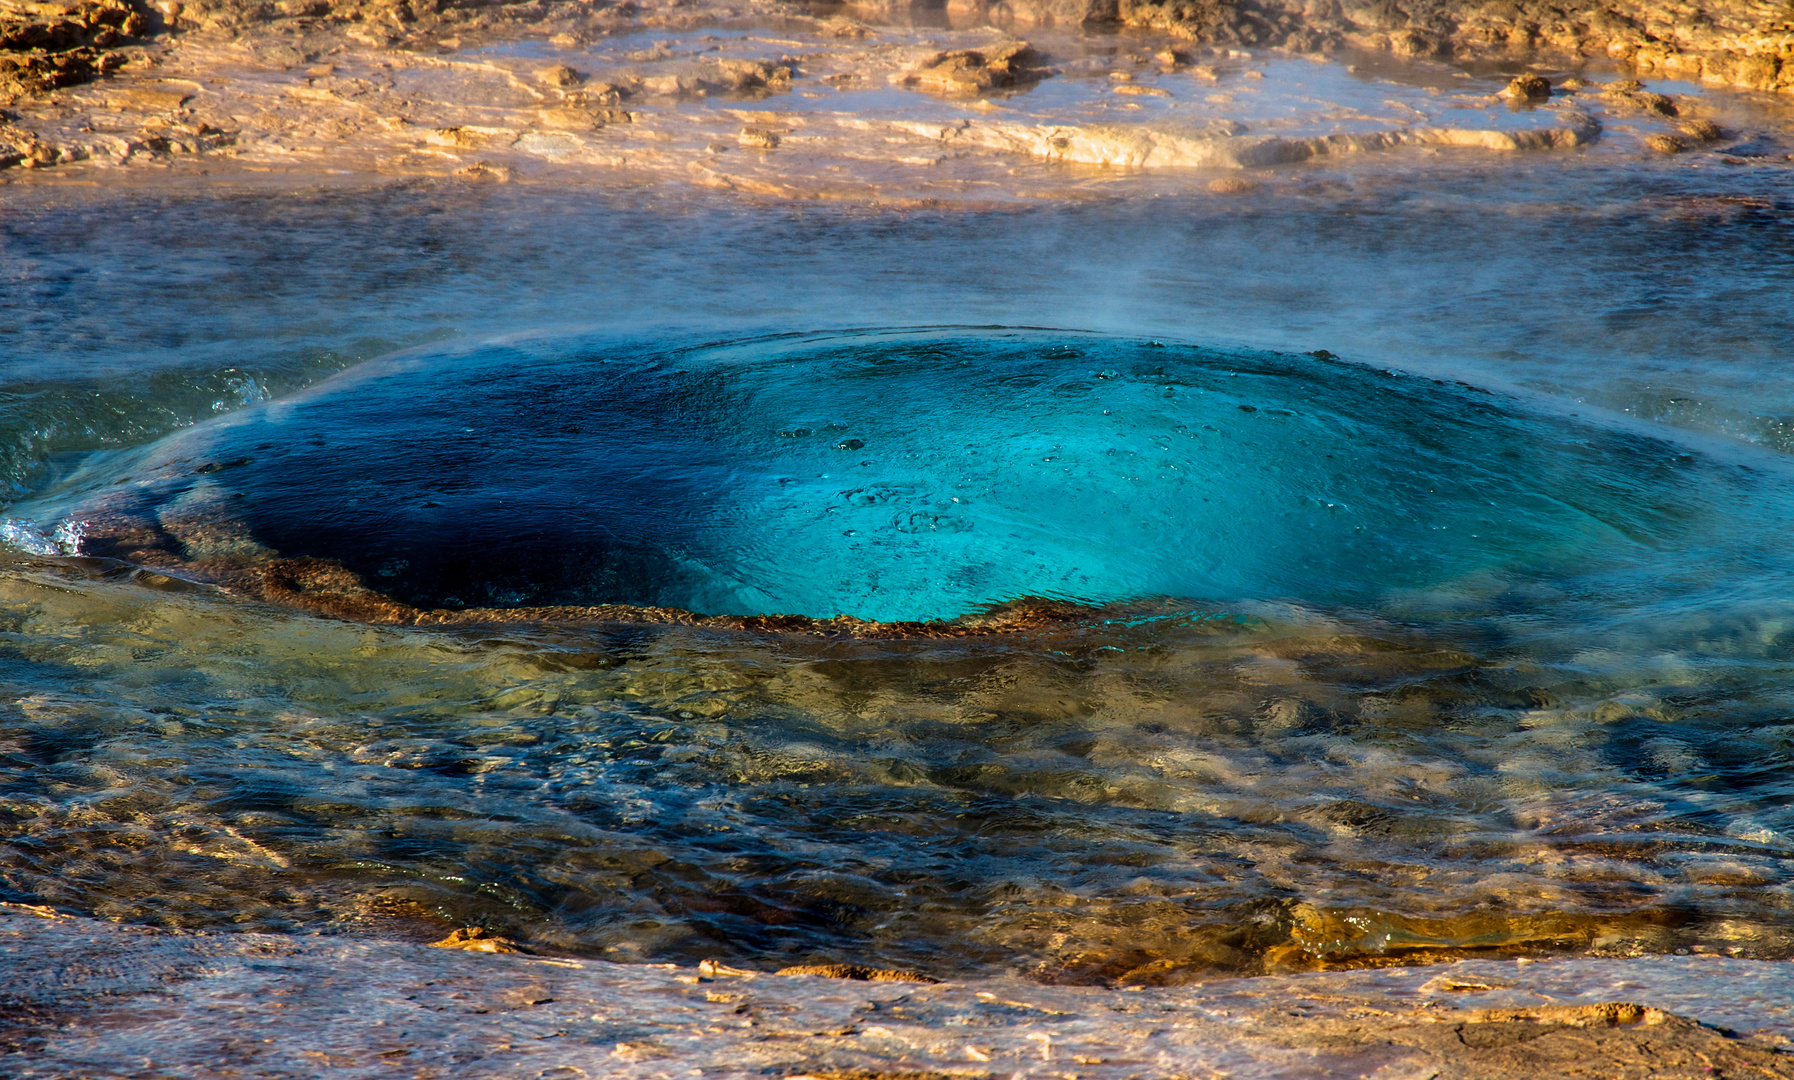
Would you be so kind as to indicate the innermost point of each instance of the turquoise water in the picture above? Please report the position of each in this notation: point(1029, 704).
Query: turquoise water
point(1473, 639)
point(925, 475)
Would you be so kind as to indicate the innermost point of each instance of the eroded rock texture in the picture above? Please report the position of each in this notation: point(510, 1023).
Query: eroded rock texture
point(1741, 43)
point(48, 45)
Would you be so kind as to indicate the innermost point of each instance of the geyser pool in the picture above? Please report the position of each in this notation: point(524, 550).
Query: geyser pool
point(914, 475)
point(1459, 745)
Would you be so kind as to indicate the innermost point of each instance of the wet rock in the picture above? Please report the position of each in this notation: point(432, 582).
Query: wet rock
point(47, 46)
point(745, 75)
point(671, 86)
point(1527, 88)
point(1234, 185)
point(1226, 145)
point(469, 137)
point(1629, 96)
point(1665, 144)
point(476, 939)
point(23, 150)
point(588, 109)
point(857, 973)
point(307, 38)
point(754, 78)
point(1202, 20)
point(151, 98)
point(87, 998)
point(560, 76)
point(600, 93)
point(758, 138)
point(1703, 131)
point(486, 170)
point(1727, 43)
point(571, 119)
point(973, 71)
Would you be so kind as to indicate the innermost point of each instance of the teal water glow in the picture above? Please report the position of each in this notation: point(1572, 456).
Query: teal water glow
point(924, 475)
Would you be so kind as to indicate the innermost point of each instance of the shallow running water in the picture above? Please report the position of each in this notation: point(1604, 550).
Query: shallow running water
point(1558, 722)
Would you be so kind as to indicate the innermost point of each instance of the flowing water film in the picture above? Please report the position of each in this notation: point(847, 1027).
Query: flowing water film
point(1128, 592)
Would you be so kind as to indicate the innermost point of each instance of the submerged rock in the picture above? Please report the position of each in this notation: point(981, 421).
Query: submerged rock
point(1235, 185)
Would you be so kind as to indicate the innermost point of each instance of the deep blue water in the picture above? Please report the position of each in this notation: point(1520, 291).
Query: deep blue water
point(926, 474)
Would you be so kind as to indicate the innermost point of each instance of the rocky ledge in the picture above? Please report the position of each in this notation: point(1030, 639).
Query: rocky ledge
point(94, 999)
point(1741, 43)
point(1746, 44)
point(407, 85)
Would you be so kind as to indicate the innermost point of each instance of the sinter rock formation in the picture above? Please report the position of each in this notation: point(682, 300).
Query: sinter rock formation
point(44, 46)
point(1740, 43)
